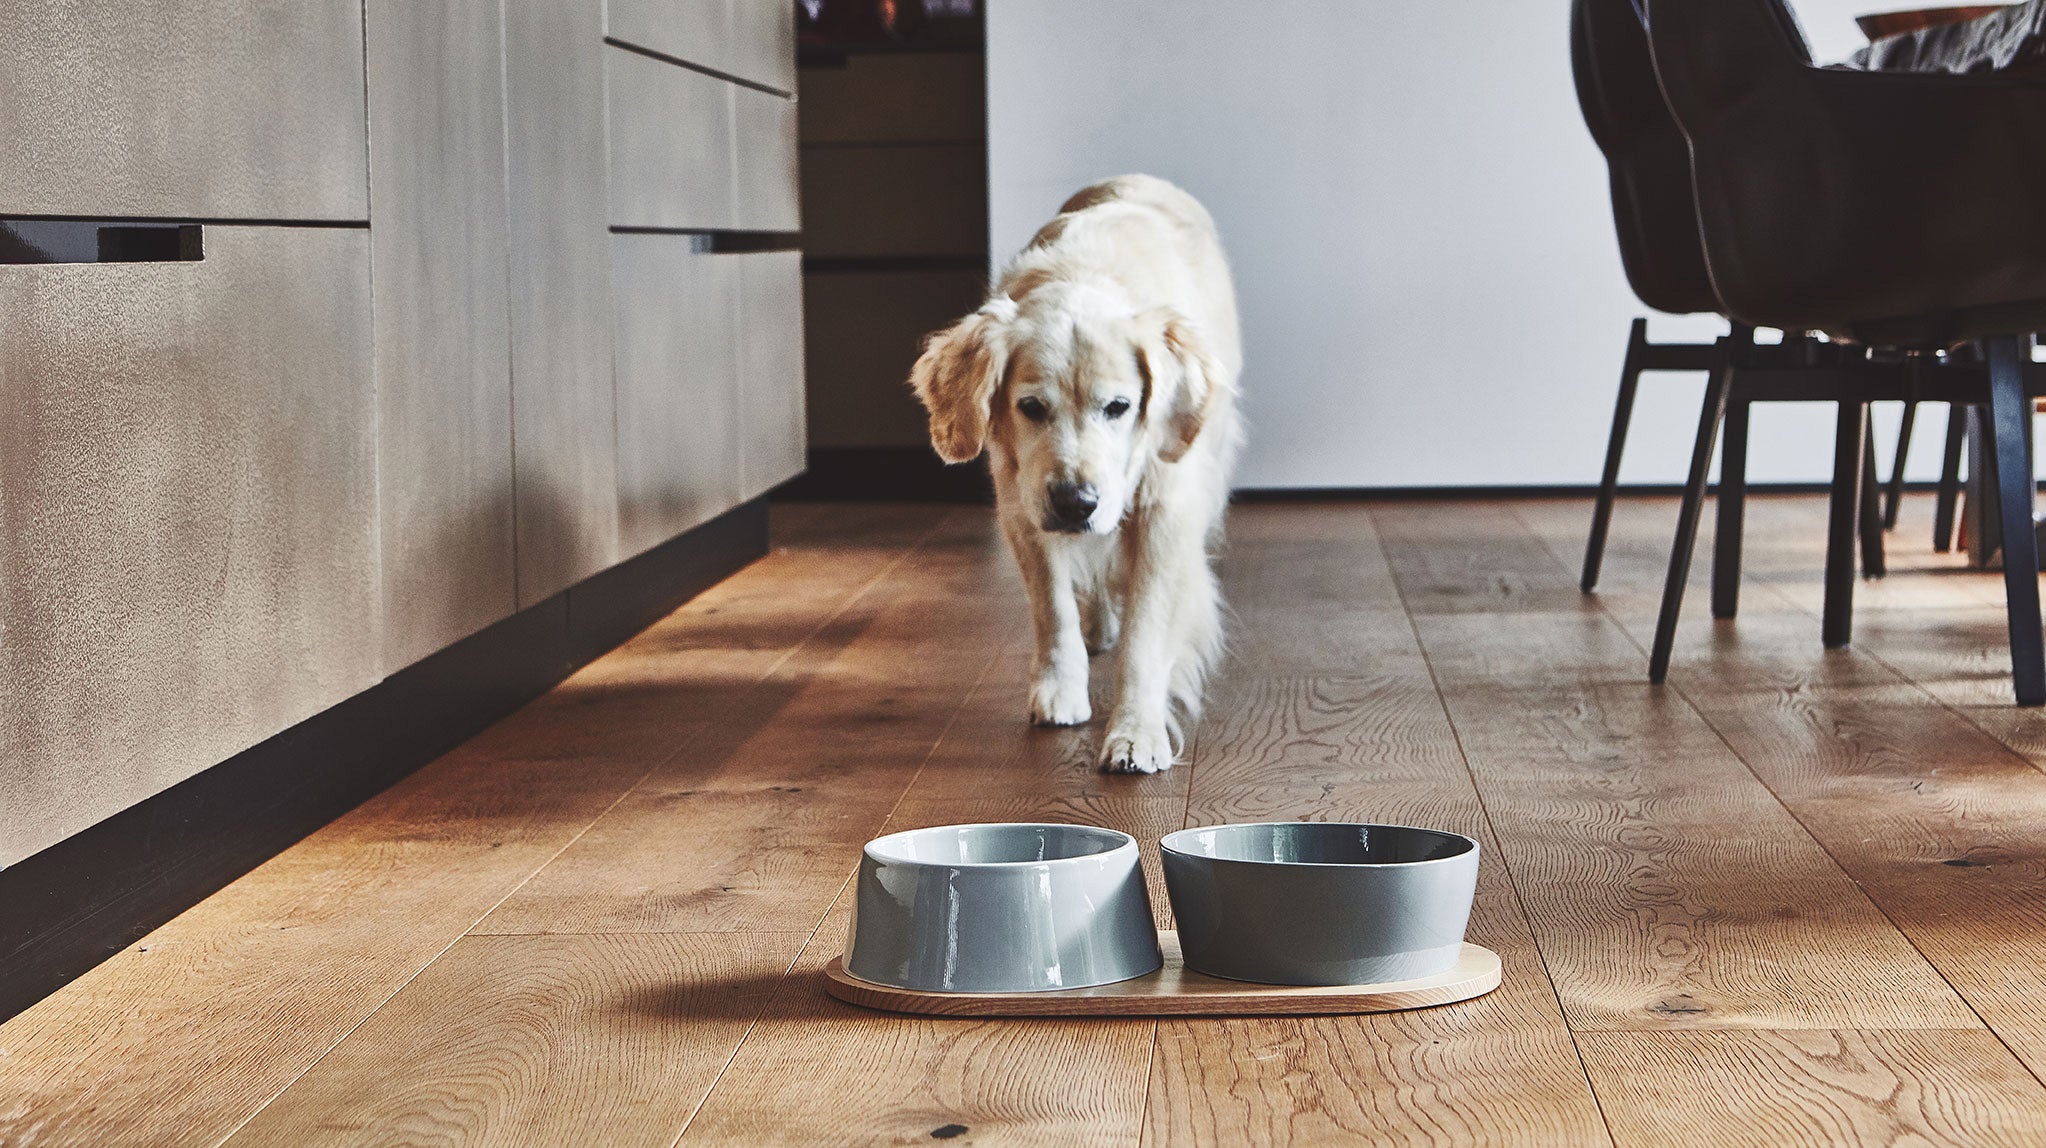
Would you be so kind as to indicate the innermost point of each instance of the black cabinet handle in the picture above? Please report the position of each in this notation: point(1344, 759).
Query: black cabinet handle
point(99, 241)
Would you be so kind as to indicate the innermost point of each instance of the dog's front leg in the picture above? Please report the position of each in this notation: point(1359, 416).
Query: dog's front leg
point(1139, 736)
point(1058, 691)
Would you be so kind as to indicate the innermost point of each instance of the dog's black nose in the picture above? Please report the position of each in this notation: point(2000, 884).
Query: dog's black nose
point(1072, 503)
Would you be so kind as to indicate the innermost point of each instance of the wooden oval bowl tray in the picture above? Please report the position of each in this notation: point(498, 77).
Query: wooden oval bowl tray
point(1176, 990)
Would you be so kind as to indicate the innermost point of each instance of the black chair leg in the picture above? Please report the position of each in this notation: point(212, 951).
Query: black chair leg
point(1871, 508)
point(1733, 492)
point(1893, 493)
point(1709, 415)
point(1616, 443)
point(1949, 480)
point(1981, 522)
point(1849, 436)
point(2010, 413)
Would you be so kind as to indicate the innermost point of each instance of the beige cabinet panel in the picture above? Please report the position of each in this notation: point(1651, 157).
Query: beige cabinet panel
point(187, 515)
point(219, 109)
point(437, 230)
point(563, 433)
point(764, 43)
point(677, 354)
point(696, 31)
point(671, 145)
point(754, 40)
point(770, 370)
point(920, 200)
point(768, 191)
point(863, 330)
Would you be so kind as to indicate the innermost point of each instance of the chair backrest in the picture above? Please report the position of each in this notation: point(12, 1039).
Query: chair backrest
point(1654, 212)
point(1895, 208)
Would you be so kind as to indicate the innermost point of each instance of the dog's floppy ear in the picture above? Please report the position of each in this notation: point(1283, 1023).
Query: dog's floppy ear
point(957, 375)
point(1181, 378)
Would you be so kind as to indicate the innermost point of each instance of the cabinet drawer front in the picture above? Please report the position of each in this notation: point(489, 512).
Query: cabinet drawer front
point(754, 40)
point(188, 551)
point(439, 259)
point(769, 187)
point(677, 378)
point(217, 109)
point(770, 369)
point(565, 482)
point(764, 43)
point(671, 145)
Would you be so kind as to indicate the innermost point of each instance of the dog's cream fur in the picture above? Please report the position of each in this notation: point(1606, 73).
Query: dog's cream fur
point(1107, 356)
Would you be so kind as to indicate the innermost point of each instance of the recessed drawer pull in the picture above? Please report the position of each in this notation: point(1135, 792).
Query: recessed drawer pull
point(89, 241)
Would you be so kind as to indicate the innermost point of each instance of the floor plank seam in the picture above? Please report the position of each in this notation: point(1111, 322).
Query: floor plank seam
point(1960, 993)
point(965, 699)
point(1705, 715)
point(852, 597)
point(1512, 879)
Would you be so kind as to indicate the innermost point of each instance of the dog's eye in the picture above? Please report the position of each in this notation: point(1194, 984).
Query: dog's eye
point(1032, 409)
point(1116, 408)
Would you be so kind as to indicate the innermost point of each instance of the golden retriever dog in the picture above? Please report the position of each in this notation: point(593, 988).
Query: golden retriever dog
point(1100, 377)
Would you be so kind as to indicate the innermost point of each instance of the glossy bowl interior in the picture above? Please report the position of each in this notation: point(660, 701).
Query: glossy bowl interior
point(1319, 843)
point(1011, 843)
point(1320, 903)
point(1007, 907)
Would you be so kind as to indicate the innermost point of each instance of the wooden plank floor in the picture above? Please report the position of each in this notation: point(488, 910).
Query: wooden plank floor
point(1793, 897)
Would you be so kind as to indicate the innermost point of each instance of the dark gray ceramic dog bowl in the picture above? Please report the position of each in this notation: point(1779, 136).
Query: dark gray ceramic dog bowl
point(1320, 903)
point(1001, 908)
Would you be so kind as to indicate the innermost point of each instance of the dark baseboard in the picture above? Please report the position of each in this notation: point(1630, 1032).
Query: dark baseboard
point(888, 474)
point(73, 905)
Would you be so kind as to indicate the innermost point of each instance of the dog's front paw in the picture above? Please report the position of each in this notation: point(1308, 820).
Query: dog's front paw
point(1136, 749)
point(1060, 699)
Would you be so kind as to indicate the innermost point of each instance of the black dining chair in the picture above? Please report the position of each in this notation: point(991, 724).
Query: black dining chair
point(1818, 211)
point(1655, 219)
point(1649, 166)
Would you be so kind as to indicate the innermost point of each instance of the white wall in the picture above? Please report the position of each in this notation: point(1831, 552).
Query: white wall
point(1419, 224)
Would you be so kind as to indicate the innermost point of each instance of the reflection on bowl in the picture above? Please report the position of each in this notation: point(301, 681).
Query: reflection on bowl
point(1001, 908)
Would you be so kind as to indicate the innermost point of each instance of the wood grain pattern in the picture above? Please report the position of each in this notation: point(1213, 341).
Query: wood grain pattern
point(1936, 820)
point(1754, 892)
point(1035, 1082)
point(1942, 825)
point(758, 823)
point(1176, 990)
point(1375, 745)
point(1437, 1076)
point(539, 1040)
point(1813, 1088)
point(1651, 910)
point(181, 1037)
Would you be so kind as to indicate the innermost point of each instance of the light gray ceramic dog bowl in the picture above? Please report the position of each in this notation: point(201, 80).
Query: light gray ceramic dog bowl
point(1001, 908)
point(1320, 903)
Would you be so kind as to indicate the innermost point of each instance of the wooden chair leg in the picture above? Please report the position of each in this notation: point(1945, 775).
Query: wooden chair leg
point(1709, 416)
point(1726, 535)
point(1893, 492)
point(1616, 444)
point(1849, 436)
point(1949, 497)
point(2010, 416)
point(1871, 517)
